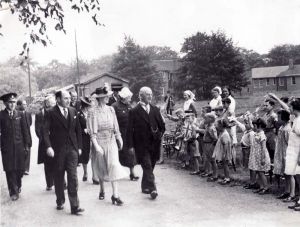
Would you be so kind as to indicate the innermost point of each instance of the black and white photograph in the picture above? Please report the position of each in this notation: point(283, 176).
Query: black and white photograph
point(149, 113)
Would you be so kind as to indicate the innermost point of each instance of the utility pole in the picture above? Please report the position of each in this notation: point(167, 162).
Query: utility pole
point(28, 70)
point(77, 61)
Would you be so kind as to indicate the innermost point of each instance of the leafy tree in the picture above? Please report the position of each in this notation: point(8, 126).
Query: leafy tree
point(160, 53)
point(280, 55)
point(210, 60)
point(101, 65)
point(37, 16)
point(252, 59)
point(133, 64)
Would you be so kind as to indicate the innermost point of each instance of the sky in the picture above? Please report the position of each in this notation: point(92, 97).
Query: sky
point(254, 24)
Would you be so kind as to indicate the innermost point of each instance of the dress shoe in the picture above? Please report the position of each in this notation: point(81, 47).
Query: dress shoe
point(48, 188)
point(96, 182)
point(290, 199)
point(146, 191)
point(26, 173)
point(153, 194)
point(294, 206)
point(258, 190)
point(161, 162)
point(297, 208)
point(77, 211)
point(84, 178)
point(60, 207)
point(225, 181)
point(264, 191)
point(116, 201)
point(14, 197)
point(283, 195)
point(133, 178)
point(101, 195)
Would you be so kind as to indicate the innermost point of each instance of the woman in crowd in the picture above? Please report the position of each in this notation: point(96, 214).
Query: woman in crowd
point(292, 163)
point(227, 94)
point(86, 141)
point(122, 107)
point(107, 140)
point(189, 102)
point(217, 99)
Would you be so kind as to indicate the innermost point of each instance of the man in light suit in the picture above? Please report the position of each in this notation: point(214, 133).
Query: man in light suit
point(145, 131)
point(62, 138)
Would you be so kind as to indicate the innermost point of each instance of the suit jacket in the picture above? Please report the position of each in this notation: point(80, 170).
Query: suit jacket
point(60, 133)
point(39, 124)
point(145, 131)
point(28, 120)
point(14, 139)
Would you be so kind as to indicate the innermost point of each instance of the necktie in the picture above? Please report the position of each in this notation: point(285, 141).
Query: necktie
point(11, 115)
point(66, 113)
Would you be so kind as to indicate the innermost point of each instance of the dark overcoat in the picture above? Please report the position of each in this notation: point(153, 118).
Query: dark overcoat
point(59, 133)
point(14, 139)
point(145, 131)
point(86, 139)
point(122, 113)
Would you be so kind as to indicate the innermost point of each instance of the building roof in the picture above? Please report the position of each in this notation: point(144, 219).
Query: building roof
point(167, 65)
point(268, 72)
point(295, 71)
point(92, 77)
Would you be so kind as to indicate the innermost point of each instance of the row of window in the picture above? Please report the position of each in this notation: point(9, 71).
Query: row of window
point(272, 81)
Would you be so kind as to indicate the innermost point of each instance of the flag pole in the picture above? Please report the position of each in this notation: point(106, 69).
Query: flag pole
point(77, 63)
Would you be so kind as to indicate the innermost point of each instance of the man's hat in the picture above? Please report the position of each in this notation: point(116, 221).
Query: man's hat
point(116, 87)
point(9, 97)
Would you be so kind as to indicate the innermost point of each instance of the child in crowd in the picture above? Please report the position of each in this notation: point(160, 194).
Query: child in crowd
point(191, 143)
point(209, 141)
point(222, 151)
point(280, 154)
point(246, 145)
point(259, 160)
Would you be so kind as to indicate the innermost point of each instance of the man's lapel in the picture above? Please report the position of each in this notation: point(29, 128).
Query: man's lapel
point(60, 116)
point(143, 113)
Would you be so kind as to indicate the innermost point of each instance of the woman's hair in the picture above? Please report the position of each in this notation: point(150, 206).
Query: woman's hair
point(284, 115)
point(271, 102)
point(296, 104)
point(190, 94)
point(260, 123)
point(228, 89)
point(226, 100)
point(285, 99)
point(216, 89)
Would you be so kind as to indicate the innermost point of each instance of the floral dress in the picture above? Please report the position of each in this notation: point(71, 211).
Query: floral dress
point(280, 151)
point(293, 149)
point(103, 125)
point(256, 154)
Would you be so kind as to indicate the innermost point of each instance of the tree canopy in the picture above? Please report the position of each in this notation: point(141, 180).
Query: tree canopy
point(210, 60)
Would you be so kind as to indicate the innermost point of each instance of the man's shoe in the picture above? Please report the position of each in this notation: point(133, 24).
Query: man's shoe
point(26, 173)
point(14, 197)
point(84, 178)
point(48, 188)
point(146, 191)
point(77, 211)
point(290, 199)
point(153, 194)
point(59, 207)
point(283, 195)
point(297, 208)
point(96, 182)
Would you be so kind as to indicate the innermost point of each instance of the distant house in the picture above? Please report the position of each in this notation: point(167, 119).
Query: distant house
point(89, 83)
point(276, 78)
point(167, 70)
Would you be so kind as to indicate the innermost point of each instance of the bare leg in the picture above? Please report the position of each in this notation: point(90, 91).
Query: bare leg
point(214, 168)
point(264, 182)
point(114, 185)
point(226, 168)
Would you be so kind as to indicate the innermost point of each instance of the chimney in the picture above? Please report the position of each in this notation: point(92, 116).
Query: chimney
point(291, 63)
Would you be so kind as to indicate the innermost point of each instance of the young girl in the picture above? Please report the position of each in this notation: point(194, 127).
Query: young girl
point(259, 160)
point(246, 144)
point(191, 143)
point(209, 140)
point(222, 151)
point(280, 153)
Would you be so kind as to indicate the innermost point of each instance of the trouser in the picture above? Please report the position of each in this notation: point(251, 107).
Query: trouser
point(27, 161)
point(14, 181)
point(169, 111)
point(70, 166)
point(49, 174)
point(148, 164)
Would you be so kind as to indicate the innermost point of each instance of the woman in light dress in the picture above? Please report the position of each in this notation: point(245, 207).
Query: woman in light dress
point(107, 141)
point(217, 99)
point(189, 102)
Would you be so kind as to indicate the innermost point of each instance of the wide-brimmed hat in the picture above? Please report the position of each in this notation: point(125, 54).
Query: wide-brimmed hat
point(125, 92)
point(12, 97)
point(85, 101)
point(102, 92)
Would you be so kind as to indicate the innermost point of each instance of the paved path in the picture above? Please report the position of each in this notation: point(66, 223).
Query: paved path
point(183, 200)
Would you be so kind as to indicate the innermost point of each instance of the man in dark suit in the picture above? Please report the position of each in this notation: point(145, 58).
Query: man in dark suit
point(22, 106)
point(14, 142)
point(75, 103)
point(145, 130)
point(49, 102)
point(62, 137)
